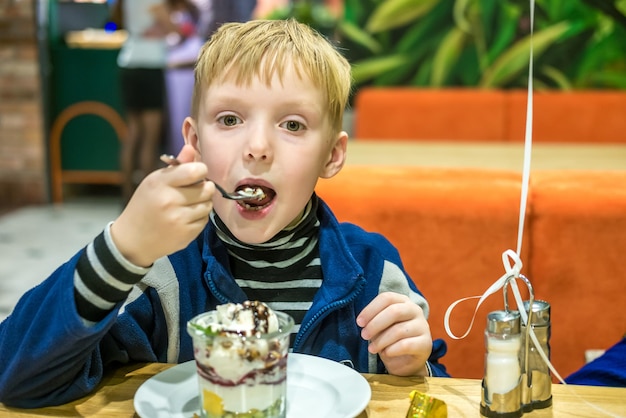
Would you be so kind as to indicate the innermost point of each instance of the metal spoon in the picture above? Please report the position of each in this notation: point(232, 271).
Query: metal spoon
point(248, 193)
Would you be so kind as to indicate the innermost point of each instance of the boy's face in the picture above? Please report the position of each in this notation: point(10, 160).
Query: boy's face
point(276, 136)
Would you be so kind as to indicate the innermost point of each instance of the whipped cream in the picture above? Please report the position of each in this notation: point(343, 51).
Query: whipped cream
point(247, 319)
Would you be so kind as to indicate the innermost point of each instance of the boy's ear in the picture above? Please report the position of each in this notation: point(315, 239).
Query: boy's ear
point(337, 157)
point(190, 134)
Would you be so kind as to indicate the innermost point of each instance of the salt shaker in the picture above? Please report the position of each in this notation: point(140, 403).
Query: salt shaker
point(501, 386)
point(536, 379)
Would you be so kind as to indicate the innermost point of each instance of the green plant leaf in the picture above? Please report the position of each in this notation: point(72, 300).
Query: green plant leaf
point(421, 76)
point(473, 12)
point(360, 37)
point(447, 55)
point(508, 17)
point(432, 27)
point(459, 12)
point(515, 59)
point(395, 13)
point(370, 68)
point(418, 51)
point(601, 53)
point(355, 11)
point(591, 53)
point(610, 79)
point(558, 77)
point(395, 76)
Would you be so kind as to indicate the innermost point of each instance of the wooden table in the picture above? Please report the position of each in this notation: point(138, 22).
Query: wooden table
point(495, 155)
point(390, 397)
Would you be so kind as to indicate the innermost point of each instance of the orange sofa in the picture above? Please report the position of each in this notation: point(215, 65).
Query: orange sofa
point(451, 227)
point(464, 114)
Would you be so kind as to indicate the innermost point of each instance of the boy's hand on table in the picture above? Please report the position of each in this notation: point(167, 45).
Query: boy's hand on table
point(397, 331)
point(168, 210)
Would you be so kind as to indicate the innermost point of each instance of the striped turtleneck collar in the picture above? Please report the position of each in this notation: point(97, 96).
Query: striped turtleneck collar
point(289, 238)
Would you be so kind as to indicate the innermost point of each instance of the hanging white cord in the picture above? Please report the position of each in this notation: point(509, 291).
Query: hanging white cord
point(513, 271)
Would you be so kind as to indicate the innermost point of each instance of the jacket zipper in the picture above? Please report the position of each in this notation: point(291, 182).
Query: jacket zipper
point(335, 305)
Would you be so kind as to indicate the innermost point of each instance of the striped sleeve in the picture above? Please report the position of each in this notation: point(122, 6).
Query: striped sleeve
point(103, 278)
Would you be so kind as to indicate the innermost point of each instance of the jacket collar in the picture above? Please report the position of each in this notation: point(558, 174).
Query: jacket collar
point(342, 273)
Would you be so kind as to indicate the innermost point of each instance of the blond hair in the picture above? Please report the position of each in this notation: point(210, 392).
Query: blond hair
point(262, 48)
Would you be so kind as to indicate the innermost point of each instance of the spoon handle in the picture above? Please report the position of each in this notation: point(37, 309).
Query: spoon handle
point(171, 160)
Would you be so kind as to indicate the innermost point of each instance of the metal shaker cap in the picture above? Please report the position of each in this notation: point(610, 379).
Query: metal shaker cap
point(541, 312)
point(503, 322)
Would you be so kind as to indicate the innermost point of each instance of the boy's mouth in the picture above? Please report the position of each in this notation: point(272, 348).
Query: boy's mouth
point(255, 204)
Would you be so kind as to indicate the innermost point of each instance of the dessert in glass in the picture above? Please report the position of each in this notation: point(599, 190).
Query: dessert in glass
point(241, 357)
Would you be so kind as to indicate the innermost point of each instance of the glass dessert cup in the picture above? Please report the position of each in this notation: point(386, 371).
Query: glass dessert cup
point(241, 376)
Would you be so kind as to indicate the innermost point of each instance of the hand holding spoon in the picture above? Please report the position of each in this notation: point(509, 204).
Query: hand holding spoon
point(248, 193)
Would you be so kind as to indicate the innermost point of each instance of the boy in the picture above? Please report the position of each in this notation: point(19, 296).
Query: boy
point(266, 112)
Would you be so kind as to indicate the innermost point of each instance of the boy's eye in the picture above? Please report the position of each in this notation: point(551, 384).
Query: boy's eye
point(230, 120)
point(292, 125)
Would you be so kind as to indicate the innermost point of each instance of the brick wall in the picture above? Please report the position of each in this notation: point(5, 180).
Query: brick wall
point(23, 179)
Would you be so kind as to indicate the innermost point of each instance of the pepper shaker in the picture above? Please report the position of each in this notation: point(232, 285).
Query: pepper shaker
point(536, 379)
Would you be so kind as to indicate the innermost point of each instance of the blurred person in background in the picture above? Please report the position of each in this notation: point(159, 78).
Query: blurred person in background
point(186, 25)
point(223, 11)
point(142, 60)
point(179, 21)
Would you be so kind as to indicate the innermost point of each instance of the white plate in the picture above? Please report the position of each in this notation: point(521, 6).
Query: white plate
point(316, 387)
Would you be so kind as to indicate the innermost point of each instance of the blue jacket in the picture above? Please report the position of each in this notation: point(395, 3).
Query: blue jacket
point(607, 370)
point(49, 357)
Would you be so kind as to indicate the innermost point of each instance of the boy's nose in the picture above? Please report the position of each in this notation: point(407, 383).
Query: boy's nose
point(258, 147)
